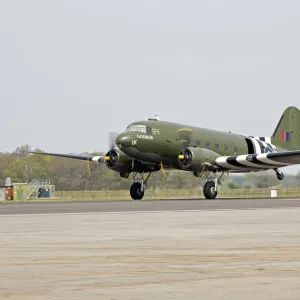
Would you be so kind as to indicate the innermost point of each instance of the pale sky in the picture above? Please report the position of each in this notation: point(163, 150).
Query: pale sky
point(71, 71)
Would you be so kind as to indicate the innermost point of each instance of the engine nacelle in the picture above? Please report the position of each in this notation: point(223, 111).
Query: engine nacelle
point(116, 160)
point(193, 158)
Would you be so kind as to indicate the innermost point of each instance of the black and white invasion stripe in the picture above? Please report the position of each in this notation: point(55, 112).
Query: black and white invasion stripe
point(249, 162)
point(262, 144)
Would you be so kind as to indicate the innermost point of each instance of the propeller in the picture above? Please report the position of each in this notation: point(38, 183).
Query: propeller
point(185, 158)
point(111, 156)
point(112, 140)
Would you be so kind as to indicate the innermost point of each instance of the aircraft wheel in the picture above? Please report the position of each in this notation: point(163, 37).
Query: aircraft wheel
point(280, 176)
point(136, 192)
point(209, 190)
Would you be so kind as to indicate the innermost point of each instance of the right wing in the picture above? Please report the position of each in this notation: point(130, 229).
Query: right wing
point(100, 159)
point(263, 161)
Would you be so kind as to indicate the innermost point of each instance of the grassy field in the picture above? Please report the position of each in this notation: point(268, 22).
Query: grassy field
point(120, 195)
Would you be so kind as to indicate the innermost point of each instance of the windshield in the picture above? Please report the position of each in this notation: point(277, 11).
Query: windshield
point(139, 128)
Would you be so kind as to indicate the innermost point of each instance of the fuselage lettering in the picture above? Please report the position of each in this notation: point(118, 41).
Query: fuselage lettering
point(145, 137)
point(155, 131)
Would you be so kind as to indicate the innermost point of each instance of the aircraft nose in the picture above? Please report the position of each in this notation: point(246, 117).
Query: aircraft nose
point(123, 140)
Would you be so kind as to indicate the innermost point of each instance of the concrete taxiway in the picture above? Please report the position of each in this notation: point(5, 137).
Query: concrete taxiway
point(222, 249)
point(151, 205)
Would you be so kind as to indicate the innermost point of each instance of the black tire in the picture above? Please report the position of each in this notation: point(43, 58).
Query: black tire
point(136, 192)
point(280, 176)
point(209, 190)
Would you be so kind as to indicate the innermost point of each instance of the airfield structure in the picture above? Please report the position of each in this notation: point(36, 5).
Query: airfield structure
point(36, 189)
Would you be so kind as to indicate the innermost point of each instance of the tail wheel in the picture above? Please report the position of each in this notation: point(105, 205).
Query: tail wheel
point(136, 192)
point(209, 190)
point(280, 175)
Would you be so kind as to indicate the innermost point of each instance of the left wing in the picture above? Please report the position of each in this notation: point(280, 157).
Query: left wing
point(100, 159)
point(263, 161)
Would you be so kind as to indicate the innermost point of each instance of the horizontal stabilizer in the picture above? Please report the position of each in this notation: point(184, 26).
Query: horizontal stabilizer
point(289, 157)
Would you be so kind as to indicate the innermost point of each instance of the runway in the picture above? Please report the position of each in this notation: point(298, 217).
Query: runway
point(164, 250)
point(151, 205)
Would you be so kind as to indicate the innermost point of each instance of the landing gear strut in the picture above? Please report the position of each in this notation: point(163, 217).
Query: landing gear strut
point(138, 187)
point(279, 174)
point(212, 186)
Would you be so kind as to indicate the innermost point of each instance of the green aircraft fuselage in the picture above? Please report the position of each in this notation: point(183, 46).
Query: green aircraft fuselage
point(161, 141)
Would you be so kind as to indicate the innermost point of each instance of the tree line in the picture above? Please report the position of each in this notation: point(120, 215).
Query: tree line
point(71, 174)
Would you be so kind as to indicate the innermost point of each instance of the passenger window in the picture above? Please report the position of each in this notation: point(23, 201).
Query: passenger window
point(235, 149)
point(207, 145)
point(226, 148)
point(217, 146)
point(197, 143)
point(148, 130)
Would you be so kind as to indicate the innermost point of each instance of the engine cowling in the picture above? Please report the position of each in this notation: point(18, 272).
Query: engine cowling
point(193, 158)
point(116, 160)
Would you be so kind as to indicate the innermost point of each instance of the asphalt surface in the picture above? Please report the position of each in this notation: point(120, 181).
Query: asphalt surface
point(162, 255)
point(152, 205)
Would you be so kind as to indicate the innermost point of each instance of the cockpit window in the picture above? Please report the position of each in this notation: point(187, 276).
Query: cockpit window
point(139, 128)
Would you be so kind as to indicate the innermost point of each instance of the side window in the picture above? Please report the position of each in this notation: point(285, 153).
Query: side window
point(235, 149)
point(148, 130)
point(197, 143)
point(217, 146)
point(207, 145)
point(226, 148)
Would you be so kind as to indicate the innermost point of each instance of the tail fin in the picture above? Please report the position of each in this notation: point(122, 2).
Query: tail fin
point(287, 131)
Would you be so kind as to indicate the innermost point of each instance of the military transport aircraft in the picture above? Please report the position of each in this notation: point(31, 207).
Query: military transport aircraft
point(152, 145)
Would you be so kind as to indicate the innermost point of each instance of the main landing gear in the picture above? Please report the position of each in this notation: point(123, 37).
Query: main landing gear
point(138, 186)
point(279, 174)
point(212, 185)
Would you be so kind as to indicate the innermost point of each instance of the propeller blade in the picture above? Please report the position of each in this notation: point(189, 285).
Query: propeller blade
point(112, 140)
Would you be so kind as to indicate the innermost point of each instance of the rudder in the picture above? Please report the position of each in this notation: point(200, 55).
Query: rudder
point(287, 132)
